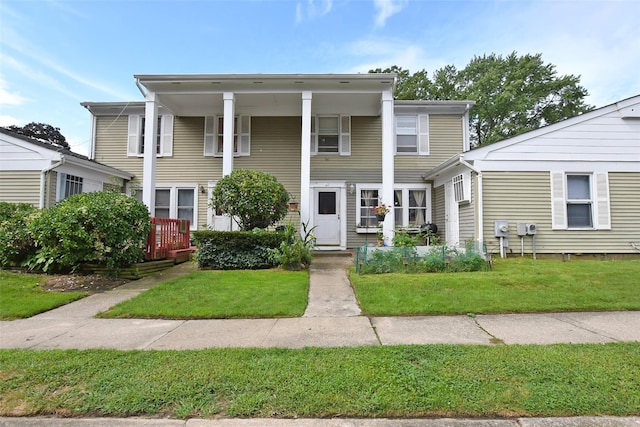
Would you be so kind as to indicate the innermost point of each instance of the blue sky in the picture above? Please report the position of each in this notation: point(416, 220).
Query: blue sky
point(55, 54)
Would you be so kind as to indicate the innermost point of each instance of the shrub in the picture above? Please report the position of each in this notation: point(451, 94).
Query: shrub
point(16, 243)
point(107, 228)
point(406, 260)
point(255, 198)
point(235, 250)
point(295, 252)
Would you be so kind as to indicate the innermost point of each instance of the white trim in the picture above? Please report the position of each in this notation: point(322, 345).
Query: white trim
point(305, 158)
point(388, 162)
point(173, 187)
point(342, 187)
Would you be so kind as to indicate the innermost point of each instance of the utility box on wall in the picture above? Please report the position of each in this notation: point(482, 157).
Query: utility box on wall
point(531, 229)
point(501, 228)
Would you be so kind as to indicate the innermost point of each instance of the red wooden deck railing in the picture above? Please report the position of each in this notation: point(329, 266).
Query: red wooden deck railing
point(167, 235)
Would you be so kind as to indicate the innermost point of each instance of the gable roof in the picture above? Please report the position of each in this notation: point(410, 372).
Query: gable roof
point(628, 108)
point(69, 155)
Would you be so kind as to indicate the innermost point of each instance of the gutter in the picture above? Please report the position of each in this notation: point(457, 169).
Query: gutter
point(479, 199)
point(43, 178)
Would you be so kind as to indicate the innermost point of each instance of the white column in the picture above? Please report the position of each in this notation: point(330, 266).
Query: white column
point(149, 163)
point(305, 160)
point(227, 133)
point(388, 174)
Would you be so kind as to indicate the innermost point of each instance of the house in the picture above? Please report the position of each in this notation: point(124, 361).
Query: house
point(339, 143)
point(569, 188)
point(42, 174)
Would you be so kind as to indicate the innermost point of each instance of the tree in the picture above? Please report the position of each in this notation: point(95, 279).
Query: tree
point(513, 94)
point(42, 132)
point(256, 199)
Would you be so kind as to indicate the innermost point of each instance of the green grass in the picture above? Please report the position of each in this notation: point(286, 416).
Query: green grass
point(21, 296)
point(513, 286)
point(221, 294)
point(401, 381)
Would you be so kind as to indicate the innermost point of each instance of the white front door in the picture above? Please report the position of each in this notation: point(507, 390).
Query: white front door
point(452, 223)
point(326, 216)
point(216, 220)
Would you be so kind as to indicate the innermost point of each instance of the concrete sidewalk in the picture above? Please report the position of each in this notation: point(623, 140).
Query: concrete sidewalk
point(331, 320)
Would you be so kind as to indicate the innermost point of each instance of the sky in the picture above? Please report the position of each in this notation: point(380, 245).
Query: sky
point(55, 54)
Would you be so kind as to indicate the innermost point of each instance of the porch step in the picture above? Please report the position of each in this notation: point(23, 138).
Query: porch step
point(181, 255)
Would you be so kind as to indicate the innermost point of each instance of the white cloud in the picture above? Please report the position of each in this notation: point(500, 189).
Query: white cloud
point(383, 53)
point(9, 121)
point(387, 8)
point(312, 10)
point(10, 98)
point(17, 43)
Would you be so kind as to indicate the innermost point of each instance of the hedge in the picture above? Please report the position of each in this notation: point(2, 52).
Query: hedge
point(237, 250)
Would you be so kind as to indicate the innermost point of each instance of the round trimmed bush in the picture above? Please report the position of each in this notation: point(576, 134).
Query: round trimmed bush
point(255, 198)
point(106, 228)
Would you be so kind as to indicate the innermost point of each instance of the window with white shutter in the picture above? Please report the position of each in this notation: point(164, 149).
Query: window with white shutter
point(164, 137)
point(580, 201)
point(412, 134)
point(214, 136)
point(331, 135)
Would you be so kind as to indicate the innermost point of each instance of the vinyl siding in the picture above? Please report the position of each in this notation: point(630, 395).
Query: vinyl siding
point(439, 212)
point(466, 217)
point(51, 189)
point(20, 187)
point(445, 139)
point(526, 197)
point(366, 148)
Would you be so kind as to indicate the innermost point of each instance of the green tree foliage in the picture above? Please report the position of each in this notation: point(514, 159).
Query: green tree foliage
point(256, 199)
point(106, 228)
point(16, 243)
point(513, 94)
point(42, 132)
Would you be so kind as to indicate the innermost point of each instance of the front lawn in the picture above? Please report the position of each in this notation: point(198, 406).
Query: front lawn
point(513, 286)
point(21, 296)
point(213, 294)
point(399, 381)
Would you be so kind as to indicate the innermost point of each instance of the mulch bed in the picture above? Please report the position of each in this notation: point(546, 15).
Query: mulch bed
point(91, 283)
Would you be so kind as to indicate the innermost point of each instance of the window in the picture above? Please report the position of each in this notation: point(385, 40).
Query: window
point(158, 135)
point(411, 205)
point(368, 199)
point(412, 134)
point(71, 185)
point(178, 201)
point(462, 187)
point(214, 136)
point(163, 203)
point(164, 140)
point(580, 201)
point(331, 135)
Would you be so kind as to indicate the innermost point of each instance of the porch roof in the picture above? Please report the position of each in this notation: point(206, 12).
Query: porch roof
point(268, 94)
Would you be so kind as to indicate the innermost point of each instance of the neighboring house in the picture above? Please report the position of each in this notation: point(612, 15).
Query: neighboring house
point(42, 174)
point(339, 144)
point(577, 181)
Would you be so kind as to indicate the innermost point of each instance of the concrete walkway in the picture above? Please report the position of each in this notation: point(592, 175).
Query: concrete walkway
point(332, 319)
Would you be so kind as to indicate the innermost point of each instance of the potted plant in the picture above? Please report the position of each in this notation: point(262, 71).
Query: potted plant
point(380, 211)
point(380, 238)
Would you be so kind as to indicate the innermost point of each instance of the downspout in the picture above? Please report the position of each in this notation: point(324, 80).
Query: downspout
point(479, 202)
point(141, 89)
point(43, 179)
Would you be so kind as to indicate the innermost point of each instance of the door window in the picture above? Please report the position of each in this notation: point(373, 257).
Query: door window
point(326, 203)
